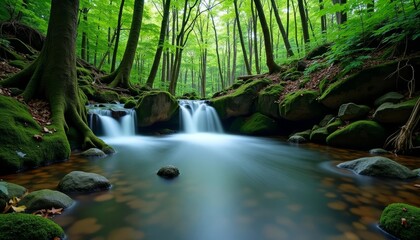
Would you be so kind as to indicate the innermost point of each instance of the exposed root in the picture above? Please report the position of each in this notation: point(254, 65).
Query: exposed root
point(402, 140)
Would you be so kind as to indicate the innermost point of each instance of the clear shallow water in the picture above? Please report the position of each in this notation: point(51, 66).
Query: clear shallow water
point(230, 187)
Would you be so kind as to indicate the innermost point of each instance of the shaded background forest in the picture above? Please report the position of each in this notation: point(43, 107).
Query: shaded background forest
point(217, 41)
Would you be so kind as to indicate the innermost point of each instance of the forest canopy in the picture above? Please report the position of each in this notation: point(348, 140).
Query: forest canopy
point(207, 44)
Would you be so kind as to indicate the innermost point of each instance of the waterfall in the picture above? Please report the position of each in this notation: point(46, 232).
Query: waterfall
point(196, 116)
point(112, 120)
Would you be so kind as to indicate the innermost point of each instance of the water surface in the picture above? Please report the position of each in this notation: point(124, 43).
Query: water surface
point(230, 187)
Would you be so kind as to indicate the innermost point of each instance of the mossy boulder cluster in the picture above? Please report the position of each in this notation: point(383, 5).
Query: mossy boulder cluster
point(359, 111)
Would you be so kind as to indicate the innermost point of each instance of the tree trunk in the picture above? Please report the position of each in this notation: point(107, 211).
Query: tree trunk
point(241, 38)
point(235, 54)
point(283, 32)
point(304, 21)
point(84, 34)
point(254, 24)
point(272, 66)
point(323, 17)
point(161, 41)
point(121, 76)
point(219, 65)
point(117, 34)
point(341, 16)
point(52, 76)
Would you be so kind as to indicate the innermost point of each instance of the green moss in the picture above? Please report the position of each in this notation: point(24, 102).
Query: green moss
point(106, 96)
point(392, 221)
point(320, 135)
point(85, 80)
point(259, 124)
point(155, 106)
point(28, 227)
point(130, 104)
point(395, 113)
point(83, 72)
point(267, 100)
point(88, 90)
point(18, 147)
point(361, 87)
point(362, 134)
point(18, 63)
point(240, 101)
point(301, 105)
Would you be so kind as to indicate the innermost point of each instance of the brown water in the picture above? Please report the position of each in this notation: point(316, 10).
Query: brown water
point(230, 187)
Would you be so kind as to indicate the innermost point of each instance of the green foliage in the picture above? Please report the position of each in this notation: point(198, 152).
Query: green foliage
point(401, 220)
point(28, 227)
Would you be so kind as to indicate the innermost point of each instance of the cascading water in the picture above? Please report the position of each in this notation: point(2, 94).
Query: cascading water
point(112, 120)
point(198, 116)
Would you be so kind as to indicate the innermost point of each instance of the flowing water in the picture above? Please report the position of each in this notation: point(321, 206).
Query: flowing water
point(230, 187)
point(197, 116)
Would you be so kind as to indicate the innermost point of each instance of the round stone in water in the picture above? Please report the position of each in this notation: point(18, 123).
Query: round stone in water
point(168, 172)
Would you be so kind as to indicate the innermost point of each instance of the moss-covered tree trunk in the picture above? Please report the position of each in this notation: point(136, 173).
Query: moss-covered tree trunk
point(53, 77)
point(121, 76)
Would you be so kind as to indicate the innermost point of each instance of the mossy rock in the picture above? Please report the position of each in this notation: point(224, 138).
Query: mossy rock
point(352, 111)
point(28, 227)
point(259, 124)
point(154, 107)
point(297, 139)
point(19, 149)
point(9, 190)
point(18, 64)
point(364, 86)
point(45, 199)
point(83, 182)
point(130, 104)
point(394, 113)
point(391, 97)
point(240, 102)
point(363, 134)
point(378, 166)
point(267, 100)
point(319, 135)
point(106, 96)
point(305, 134)
point(301, 105)
point(327, 119)
point(401, 220)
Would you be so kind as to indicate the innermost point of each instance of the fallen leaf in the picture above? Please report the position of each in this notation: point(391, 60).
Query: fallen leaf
point(404, 222)
point(19, 209)
point(55, 211)
point(46, 130)
point(417, 185)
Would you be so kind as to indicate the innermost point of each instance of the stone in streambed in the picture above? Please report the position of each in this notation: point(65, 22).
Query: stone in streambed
point(45, 199)
point(168, 172)
point(379, 167)
point(93, 152)
point(83, 182)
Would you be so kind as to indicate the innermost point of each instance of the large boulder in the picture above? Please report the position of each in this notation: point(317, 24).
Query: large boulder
point(391, 97)
point(301, 105)
point(83, 182)
point(154, 107)
point(258, 124)
point(364, 86)
point(21, 143)
point(106, 96)
point(24, 226)
point(401, 220)
point(268, 99)
point(9, 190)
point(239, 102)
point(363, 134)
point(394, 113)
point(351, 111)
point(379, 167)
point(45, 199)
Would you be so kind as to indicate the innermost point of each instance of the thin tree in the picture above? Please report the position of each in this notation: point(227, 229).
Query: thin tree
point(241, 38)
point(52, 76)
point(117, 36)
point(271, 64)
point(341, 16)
point(121, 76)
point(84, 47)
point(254, 30)
point(323, 17)
point(282, 30)
point(219, 65)
point(304, 21)
point(159, 50)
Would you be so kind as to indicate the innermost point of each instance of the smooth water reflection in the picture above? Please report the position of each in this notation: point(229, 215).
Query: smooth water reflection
point(230, 187)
